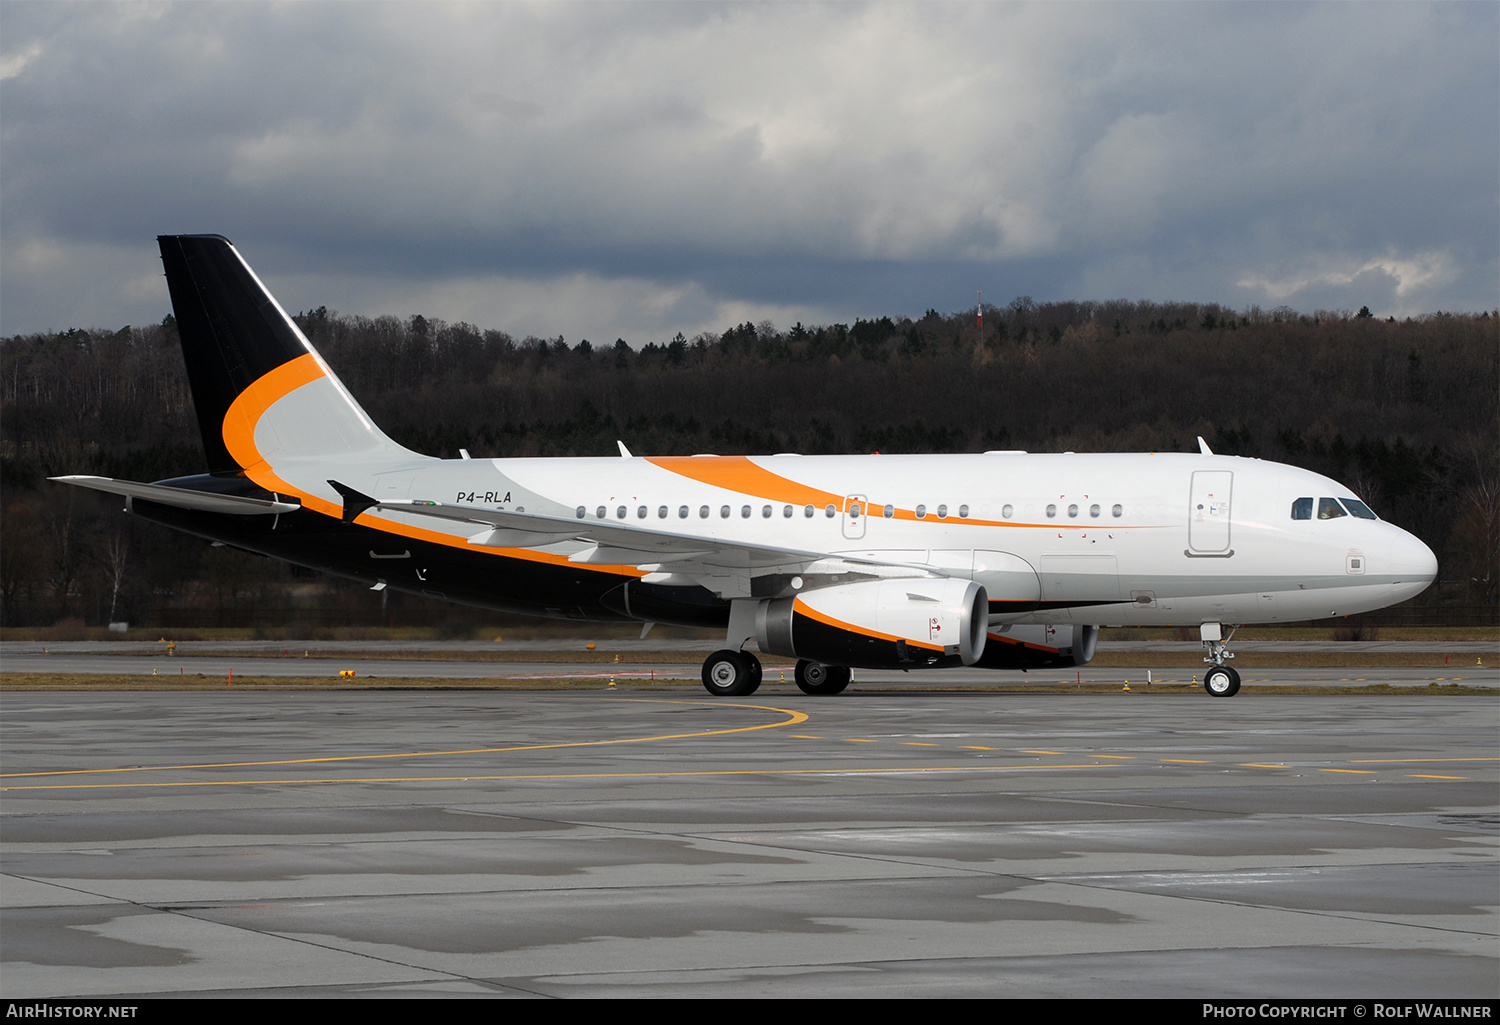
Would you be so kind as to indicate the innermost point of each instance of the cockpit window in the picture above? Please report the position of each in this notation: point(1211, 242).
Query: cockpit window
point(1329, 509)
point(1359, 509)
point(1302, 509)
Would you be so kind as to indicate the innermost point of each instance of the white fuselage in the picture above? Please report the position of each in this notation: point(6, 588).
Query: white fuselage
point(1114, 539)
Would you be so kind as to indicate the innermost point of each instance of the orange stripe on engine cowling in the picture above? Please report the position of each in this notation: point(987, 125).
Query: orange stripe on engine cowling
point(798, 605)
point(1022, 644)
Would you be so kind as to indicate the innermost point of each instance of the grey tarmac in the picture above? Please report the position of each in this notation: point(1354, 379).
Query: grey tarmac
point(644, 843)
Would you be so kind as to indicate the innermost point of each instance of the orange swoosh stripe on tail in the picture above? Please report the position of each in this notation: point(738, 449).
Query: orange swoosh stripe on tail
point(239, 438)
point(247, 409)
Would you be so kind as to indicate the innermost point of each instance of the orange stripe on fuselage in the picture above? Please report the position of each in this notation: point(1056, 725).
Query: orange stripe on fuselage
point(239, 438)
point(798, 605)
point(738, 473)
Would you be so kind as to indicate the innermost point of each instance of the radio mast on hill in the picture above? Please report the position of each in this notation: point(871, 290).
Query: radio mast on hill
point(981, 321)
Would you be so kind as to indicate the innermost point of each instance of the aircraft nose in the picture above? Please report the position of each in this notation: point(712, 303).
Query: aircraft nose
point(1413, 566)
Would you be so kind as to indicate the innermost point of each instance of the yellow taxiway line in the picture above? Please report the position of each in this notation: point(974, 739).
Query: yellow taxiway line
point(647, 774)
point(793, 718)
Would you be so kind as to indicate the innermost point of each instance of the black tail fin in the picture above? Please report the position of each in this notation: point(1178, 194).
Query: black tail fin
point(234, 334)
point(232, 331)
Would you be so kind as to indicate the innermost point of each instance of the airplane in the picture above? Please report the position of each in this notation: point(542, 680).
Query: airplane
point(1005, 560)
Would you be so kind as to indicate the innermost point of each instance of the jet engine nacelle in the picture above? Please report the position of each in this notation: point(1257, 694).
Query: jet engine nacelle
point(1040, 647)
point(880, 624)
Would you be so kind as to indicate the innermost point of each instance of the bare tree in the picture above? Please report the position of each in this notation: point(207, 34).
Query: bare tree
point(115, 554)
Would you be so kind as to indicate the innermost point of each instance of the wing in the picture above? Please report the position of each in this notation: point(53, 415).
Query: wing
point(729, 568)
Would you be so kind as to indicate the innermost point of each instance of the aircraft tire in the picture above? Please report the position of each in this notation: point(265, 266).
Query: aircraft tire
point(817, 679)
point(731, 674)
point(755, 672)
point(1221, 682)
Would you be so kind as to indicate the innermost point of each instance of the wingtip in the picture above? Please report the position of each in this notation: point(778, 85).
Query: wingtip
point(355, 502)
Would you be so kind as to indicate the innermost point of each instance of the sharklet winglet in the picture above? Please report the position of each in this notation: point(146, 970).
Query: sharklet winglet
point(355, 502)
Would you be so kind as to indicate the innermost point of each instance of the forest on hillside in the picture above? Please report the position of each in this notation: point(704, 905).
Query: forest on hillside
point(1406, 413)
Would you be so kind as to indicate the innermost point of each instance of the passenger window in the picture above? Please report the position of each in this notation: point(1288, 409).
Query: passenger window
point(1051, 511)
point(942, 512)
point(661, 513)
point(853, 510)
point(921, 512)
point(1094, 511)
point(1302, 509)
point(831, 511)
point(744, 512)
point(600, 512)
point(1007, 511)
point(1117, 511)
point(682, 512)
point(580, 512)
point(890, 511)
point(620, 512)
point(765, 512)
point(1072, 510)
point(640, 513)
point(703, 512)
point(963, 512)
point(1359, 509)
point(786, 512)
point(808, 512)
point(1329, 509)
point(723, 512)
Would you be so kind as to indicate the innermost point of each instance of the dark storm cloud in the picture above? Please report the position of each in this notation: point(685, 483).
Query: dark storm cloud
point(611, 169)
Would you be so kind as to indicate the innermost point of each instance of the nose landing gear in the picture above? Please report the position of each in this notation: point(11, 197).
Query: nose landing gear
point(1219, 680)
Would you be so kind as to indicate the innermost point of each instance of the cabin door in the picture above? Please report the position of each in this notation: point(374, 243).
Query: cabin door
point(1208, 512)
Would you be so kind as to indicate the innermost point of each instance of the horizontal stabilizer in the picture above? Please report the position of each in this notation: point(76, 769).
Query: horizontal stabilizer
point(202, 501)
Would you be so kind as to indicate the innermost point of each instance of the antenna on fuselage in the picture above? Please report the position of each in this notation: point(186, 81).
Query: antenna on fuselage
point(1203, 446)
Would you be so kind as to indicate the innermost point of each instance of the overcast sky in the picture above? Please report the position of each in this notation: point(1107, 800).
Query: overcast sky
point(605, 170)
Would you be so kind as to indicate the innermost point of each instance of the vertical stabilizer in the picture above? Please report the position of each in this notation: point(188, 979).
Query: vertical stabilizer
point(245, 360)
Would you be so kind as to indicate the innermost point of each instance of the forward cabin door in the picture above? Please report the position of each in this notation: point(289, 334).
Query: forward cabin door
point(1208, 512)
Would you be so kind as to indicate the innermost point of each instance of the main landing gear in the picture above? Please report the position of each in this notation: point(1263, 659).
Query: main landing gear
point(817, 679)
point(1219, 680)
point(731, 674)
point(735, 674)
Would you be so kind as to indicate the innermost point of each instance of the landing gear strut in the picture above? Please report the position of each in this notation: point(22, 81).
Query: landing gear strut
point(817, 679)
point(1219, 679)
point(731, 674)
